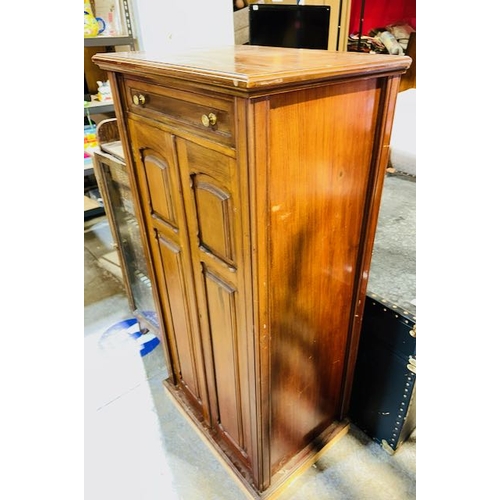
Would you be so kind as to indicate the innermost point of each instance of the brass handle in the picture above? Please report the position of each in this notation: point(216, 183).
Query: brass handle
point(209, 120)
point(139, 99)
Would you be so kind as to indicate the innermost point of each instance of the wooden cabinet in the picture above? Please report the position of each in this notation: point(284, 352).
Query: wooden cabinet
point(257, 176)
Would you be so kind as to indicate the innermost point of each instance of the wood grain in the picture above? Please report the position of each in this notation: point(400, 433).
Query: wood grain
point(260, 235)
point(252, 67)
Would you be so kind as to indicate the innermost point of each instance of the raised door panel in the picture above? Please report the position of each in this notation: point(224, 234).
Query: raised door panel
point(222, 311)
point(173, 270)
point(212, 196)
point(159, 186)
point(214, 218)
point(158, 175)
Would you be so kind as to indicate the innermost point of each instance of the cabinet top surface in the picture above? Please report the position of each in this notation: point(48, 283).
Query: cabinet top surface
point(251, 66)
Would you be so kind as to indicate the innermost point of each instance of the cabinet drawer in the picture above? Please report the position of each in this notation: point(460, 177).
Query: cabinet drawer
point(207, 115)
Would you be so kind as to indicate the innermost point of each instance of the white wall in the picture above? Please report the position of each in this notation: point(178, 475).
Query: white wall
point(173, 24)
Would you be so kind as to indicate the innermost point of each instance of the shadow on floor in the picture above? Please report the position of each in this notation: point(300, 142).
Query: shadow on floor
point(137, 445)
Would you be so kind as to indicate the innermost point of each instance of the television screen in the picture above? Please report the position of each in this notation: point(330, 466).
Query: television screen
point(296, 26)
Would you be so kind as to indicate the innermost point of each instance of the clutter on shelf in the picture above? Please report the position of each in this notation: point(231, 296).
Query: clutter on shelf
point(102, 18)
point(92, 26)
point(89, 131)
point(87, 159)
point(103, 91)
point(391, 39)
point(111, 11)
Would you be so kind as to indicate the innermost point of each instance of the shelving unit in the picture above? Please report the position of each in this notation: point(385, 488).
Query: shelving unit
point(114, 185)
point(100, 110)
point(109, 41)
point(98, 107)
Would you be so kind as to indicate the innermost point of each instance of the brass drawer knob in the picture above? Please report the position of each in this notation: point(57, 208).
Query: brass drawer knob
point(138, 99)
point(209, 120)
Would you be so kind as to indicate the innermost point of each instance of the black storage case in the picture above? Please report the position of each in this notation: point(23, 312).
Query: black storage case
point(383, 399)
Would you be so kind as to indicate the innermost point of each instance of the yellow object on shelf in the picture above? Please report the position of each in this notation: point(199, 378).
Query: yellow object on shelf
point(89, 131)
point(89, 137)
point(92, 26)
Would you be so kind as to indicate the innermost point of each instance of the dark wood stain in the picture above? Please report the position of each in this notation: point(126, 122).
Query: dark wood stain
point(259, 229)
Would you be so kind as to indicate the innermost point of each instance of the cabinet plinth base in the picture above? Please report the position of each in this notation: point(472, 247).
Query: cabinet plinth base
point(294, 468)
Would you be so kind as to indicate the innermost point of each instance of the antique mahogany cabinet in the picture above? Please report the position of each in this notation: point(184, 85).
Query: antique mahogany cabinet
point(257, 173)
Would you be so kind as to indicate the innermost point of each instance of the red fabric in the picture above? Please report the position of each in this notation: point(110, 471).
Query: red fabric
point(380, 13)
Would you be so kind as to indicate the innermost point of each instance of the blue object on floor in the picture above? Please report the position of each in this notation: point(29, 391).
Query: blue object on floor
point(128, 330)
point(151, 317)
point(148, 344)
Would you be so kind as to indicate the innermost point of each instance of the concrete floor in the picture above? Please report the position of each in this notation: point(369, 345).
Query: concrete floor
point(138, 445)
point(394, 261)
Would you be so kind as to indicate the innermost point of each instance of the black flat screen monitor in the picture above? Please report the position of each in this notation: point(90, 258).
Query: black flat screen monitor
point(296, 26)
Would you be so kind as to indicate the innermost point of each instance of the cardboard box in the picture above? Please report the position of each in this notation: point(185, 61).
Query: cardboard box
point(241, 29)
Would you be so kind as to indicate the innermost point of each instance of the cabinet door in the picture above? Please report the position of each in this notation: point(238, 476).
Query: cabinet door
point(212, 194)
point(160, 192)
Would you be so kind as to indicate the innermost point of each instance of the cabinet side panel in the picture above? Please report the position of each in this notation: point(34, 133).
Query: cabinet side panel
point(321, 147)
